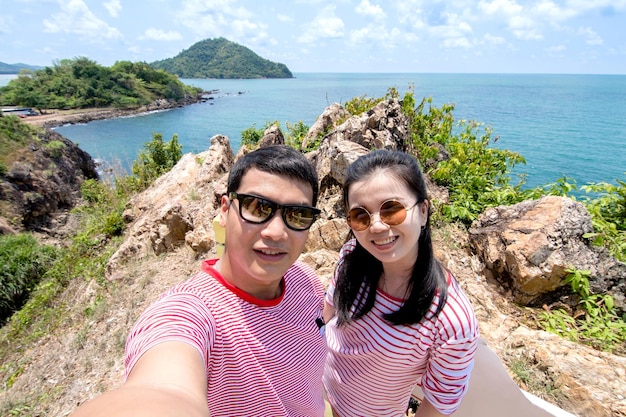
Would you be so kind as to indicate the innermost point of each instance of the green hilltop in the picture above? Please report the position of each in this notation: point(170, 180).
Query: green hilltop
point(221, 58)
point(16, 68)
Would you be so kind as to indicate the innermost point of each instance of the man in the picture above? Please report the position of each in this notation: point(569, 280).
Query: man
point(241, 337)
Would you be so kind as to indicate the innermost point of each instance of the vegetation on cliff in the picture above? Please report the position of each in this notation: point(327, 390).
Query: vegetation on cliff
point(82, 83)
point(221, 58)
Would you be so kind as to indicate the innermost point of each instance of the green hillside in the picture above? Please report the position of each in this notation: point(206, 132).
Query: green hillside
point(82, 83)
point(15, 68)
point(221, 58)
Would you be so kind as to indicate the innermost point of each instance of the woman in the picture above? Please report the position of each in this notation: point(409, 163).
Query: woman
point(395, 317)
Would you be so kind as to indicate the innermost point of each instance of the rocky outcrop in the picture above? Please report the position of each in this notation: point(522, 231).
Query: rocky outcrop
point(43, 181)
point(525, 247)
point(530, 246)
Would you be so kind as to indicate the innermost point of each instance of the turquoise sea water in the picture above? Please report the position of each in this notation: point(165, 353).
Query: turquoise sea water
point(573, 125)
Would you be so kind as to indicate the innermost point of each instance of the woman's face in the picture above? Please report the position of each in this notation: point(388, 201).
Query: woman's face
point(393, 245)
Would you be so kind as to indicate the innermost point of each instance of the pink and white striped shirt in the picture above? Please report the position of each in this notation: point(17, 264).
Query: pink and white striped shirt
point(372, 366)
point(261, 357)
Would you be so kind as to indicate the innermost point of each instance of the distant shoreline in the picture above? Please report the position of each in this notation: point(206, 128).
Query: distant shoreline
point(51, 118)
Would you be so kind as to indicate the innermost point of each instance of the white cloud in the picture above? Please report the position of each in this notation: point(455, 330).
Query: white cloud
point(592, 37)
point(212, 18)
point(558, 49)
point(410, 12)
point(493, 40)
point(506, 7)
point(161, 35)
point(284, 18)
point(525, 28)
point(324, 26)
point(462, 42)
point(75, 17)
point(4, 26)
point(113, 7)
point(366, 8)
point(453, 28)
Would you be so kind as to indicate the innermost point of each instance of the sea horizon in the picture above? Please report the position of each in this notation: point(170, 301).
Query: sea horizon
point(571, 125)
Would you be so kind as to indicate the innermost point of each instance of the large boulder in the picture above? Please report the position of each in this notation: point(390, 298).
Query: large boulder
point(530, 246)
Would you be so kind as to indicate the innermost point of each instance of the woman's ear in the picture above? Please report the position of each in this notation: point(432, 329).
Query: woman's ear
point(424, 209)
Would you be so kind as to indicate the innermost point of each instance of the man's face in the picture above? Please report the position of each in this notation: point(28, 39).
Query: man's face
point(258, 255)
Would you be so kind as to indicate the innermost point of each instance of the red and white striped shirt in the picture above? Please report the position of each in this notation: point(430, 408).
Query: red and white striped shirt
point(373, 366)
point(262, 357)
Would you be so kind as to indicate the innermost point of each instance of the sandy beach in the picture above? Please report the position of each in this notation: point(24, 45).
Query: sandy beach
point(56, 117)
point(53, 118)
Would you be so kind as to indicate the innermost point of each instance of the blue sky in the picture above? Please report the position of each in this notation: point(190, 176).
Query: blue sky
point(461, 36)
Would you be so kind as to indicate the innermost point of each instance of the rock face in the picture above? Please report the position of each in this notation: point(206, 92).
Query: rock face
point(526, 247)
point(530, 246)
point(43, 180)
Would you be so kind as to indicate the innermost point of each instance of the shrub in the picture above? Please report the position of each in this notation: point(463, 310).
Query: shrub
point(157, 158)
point(608, 214)
point(595, 323)
point(251, 136)
point(55, 148)
point(23, 263)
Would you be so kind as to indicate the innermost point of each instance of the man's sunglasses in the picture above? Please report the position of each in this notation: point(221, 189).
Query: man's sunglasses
point(391, 213)
point(255, 209)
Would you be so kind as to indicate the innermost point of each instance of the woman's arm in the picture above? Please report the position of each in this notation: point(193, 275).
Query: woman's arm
point(169, 380)
point(328, 313)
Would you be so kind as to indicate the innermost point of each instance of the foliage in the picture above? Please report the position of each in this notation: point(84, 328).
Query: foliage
point(608, 214)
point(476, 175)
point(220, 58)
point(22, 264)
point(296, 132)
point(14, 135)
point(55, 148)
point(251, 136)
point(157, 158)
point(358, 105)
point(595, 324)
point(82, 83)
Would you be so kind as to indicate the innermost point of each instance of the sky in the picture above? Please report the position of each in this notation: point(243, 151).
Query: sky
point(382, 36)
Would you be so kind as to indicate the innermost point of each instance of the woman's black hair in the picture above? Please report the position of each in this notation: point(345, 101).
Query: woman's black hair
point(359, 273)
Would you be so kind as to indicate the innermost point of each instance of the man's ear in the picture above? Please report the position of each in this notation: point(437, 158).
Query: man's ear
point(225, 205)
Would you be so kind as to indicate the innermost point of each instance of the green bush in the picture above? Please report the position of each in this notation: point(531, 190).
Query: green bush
point(251, 136)
point(157, 158)
point(55, 148)
point(295, 136)
point(23, 263)
point(596, 323)
point(607, 206)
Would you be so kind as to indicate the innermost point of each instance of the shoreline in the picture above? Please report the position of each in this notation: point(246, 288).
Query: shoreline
point(51, 118)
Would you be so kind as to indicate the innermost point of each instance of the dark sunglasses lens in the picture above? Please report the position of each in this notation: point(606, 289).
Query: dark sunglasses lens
point(255, 210)
point(299, 218)
point(358, 219)
point(392, 213)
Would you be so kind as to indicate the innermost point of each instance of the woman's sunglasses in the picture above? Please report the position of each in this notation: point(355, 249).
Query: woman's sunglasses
point(255, 209)
point(391, 213)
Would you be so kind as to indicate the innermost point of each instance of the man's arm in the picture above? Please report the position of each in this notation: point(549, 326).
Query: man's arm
point(168, 380)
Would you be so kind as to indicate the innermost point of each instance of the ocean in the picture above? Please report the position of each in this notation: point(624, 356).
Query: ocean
point(564, 125)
